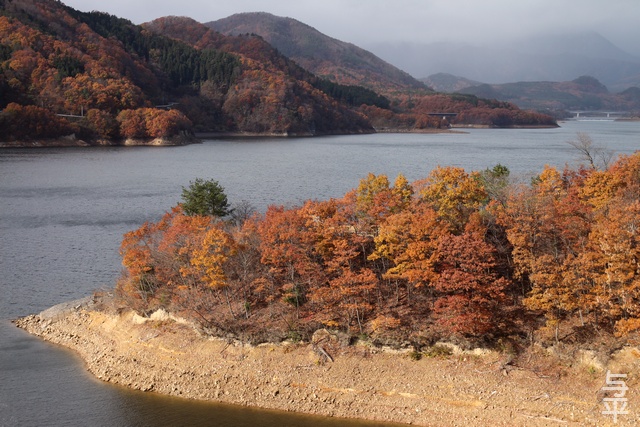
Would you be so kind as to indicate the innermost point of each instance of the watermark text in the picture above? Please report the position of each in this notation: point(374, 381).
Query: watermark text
point(617, 403)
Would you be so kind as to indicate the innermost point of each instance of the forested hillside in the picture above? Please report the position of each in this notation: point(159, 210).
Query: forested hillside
point(56, 60)
point(270, 76)
point(582, 93)
point(412, 103)
point(324, 56)
point(102, 79)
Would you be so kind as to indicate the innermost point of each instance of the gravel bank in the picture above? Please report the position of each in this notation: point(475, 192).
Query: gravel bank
point(169, 356)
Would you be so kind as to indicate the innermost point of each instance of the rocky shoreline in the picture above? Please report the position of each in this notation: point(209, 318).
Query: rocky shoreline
point(168, 355)
point(72, 141)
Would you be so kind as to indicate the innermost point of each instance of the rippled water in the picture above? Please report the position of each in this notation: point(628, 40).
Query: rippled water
point(63, 213)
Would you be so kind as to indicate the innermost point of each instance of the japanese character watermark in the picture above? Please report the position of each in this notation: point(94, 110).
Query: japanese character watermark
point(617, 404)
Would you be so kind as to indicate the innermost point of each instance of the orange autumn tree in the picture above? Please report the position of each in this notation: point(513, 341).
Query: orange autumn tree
point(454, 194)
point(31, 122)
point(376, 199)
point(548, 226)
point(615, 244)
point(178, 253)
point(209, 257)
point(152, 123)
point(346, 297)
point(289, 257)
point(408, 241)
point(139, 284)
point(208, 263)
point(426, 246)
point(471, 294)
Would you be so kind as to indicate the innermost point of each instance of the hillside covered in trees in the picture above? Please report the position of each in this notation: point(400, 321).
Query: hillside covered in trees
point(341, 62)
point(583, 93)
point(329, 58)
point(56, 60)
point(458, 255)
point(410, 108)
point(101, 78)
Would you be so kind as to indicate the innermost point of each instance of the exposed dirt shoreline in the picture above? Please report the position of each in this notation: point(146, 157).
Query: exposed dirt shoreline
point(72, 141)
point(167, 355)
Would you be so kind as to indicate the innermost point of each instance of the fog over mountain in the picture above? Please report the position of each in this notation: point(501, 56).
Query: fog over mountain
point(421, 21)
point(557, 57)
point(490, 41)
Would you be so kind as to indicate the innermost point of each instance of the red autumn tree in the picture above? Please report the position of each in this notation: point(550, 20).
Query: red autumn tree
point(470, 292)
point(289, 256)
point(346, 298)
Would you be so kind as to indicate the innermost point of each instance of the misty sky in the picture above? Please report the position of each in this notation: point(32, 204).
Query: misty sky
point(365, 22)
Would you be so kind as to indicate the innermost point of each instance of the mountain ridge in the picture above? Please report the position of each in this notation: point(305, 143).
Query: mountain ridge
point(110, 76)
point(445, 82)
point(582, 93)
point(323, 55)
point(103, 79)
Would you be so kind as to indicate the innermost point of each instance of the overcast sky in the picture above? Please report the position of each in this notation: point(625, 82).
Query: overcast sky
point(365, 22)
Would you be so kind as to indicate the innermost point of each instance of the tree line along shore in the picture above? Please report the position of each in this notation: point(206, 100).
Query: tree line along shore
point(460, 256)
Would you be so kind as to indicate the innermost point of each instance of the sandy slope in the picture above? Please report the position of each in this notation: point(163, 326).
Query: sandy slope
point(167, 356)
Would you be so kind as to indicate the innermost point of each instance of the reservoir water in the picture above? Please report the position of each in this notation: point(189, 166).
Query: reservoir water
point(63, 213)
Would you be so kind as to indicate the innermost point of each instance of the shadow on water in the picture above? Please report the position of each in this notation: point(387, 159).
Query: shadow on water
point(163, 410)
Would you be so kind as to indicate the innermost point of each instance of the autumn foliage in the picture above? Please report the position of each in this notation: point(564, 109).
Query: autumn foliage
point(575, 243)
point(71, 63)
point(31, 122)
point(447, 256)
point(152, 123)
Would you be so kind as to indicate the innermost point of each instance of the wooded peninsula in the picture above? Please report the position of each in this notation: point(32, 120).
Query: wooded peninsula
point(462, 297)
point(457, 256)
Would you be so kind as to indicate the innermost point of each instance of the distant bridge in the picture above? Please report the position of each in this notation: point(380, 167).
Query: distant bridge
point(598, 115)
point(443, 115)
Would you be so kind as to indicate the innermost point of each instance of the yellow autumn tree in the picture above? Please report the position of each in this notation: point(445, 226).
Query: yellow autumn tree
point(409, 241)
point(454, 194)
point(210, 257)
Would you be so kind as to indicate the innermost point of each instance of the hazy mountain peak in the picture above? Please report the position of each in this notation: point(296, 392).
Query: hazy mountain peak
point(590, 84)
point(445, 82)
point(325, 56)
point(582, 93)
point(589, 44)
point(290, 36)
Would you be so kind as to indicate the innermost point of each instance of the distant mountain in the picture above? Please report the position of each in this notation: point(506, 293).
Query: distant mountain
point(544, 58)
point(583, 93)
point(413, 103)
point(448, 83)
point(324, 56)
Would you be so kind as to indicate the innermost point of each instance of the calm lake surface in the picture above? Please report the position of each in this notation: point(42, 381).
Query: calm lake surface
point(63, 213)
